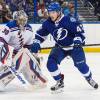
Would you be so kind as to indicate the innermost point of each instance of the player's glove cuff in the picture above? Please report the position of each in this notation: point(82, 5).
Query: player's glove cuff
point(36, 41)
point(77, 41)
point(35, 47)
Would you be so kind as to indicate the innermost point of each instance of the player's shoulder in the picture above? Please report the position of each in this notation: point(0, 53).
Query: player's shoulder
point(71, 21)
point(11, 24)
point(46, 23)
point(48, 20)
point(29, 27)
point(69, 18)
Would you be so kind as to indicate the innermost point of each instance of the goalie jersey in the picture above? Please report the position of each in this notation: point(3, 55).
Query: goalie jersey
point(63, 31)
point(13, 36)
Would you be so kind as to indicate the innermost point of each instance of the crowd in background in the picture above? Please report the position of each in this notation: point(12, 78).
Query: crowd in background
point(7, 7)
point(96, 5)
point(5, 13)
point(67, 8)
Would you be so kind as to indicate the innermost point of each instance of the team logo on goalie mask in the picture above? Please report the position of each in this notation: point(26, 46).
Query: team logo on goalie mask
point(60, 34)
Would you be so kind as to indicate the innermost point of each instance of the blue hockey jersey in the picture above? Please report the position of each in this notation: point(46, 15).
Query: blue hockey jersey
point(63, 31)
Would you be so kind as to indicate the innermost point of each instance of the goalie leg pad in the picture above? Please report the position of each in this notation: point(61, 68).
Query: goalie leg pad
point(5, 76)
point(36, 70)
point(4, 50)
point(29, 67)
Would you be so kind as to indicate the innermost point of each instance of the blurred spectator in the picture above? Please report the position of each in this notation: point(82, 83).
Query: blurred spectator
point(71, 7)
point(87, 1)
point(47, 2)
point(96, 5)
point(28, 8)
point(26, 5)
point(65, 8)
point(68, 8)
point(5, 13)
point(97, 9)
point(12, 4)
point(1, 12)
point(61, 1)
point(42, 11)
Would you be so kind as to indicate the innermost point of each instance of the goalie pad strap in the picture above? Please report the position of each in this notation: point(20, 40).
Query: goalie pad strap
point(4, 75)
point(36, 73)
point(36, 64)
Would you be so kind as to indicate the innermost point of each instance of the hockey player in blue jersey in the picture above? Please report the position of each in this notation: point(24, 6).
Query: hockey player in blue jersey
point(66, 31)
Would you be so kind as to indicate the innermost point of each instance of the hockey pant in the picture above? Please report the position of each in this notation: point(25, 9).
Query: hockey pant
point(78, 57)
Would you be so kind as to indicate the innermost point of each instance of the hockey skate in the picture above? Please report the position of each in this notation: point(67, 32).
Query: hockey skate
point(92, 83)
point(58, 87)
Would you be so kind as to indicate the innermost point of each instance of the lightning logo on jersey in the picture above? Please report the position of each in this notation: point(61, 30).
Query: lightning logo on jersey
point(60, 34)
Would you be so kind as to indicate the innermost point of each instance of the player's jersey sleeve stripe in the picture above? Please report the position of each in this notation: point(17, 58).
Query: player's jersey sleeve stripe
point(40, 38)
point(14, 30)
point(30, 29)
point(2, 40)
point(43, 37)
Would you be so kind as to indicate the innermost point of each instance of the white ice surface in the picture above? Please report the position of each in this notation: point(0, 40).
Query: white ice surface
point(76, 88)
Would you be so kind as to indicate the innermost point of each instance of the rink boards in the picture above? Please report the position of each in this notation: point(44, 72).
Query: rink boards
point(91, 32)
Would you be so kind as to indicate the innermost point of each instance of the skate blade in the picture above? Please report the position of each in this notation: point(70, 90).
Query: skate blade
point(57, 91)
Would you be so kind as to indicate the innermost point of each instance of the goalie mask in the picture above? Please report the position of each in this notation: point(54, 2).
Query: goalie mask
point(21, 18)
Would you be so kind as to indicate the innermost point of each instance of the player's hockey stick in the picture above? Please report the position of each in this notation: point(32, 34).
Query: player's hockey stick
point(71, 46)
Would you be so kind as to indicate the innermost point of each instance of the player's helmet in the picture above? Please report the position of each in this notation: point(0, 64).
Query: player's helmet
point(54, 6)
point(21, 17)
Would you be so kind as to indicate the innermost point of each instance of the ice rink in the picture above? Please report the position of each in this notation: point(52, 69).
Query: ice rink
point(76, 88)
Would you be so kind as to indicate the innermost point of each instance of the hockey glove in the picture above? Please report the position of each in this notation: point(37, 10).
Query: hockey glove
point(77, 50)
point(77, 42)
point(35, 47)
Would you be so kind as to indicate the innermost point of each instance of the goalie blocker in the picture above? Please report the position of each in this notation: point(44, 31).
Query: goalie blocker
point(26, 63)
